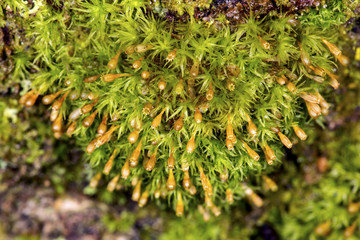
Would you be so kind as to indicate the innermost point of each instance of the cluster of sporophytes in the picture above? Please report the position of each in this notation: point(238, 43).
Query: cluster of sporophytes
point(324, 198)
point(185, 111)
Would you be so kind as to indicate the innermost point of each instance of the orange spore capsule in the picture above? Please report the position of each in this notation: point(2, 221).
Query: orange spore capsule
point(251, 152)
point(179, 205)
point(185, 165)
point(137, 63)
point(210, 93)
point(323, 103)
point(353, 207)
point(91, 78)
point(275, 129)
point(178, 124)
point(106, 137)
point(190, 146)
point(310, 97)
point(163, 193)
point(95, 180)
point(91, 146)
point(92, 96)
point(68, 82)
point(58, 103)
point(304, 56)
point(143, 47)
point(229, 196)
point(229, 144)
point(194, 71)
point(23, 99)
point(230, 85)
point(137, 191)
point(234, 140)
point(205, 182)
point(157, 120)
point(349, 231)
point(89, 120)
point(285, 140)
point(313, 109)
point(281, 80)
point(198, 116)
point(74, 95)
point(84, 95)
point(112, 76)
point(162, 84)
point(252, 129)
point(316, 78)
point(224, 175)
point(48, 99)
point(253, 197)
point(171, 184)
point(150, 164)
point(333, 49)
point(109, 163)
point(75, 114)
point(323, 229)
point(179, 88)
point(233, 69)
point(114, 61)
point(299, 132)
point(293, 22)
point(216, 211)
point(192, 190)
point(130, 49)
point(88, 107)
point(171, 160)
point(186, 180)
point(136, 123)
point(30, 101)
point(268, 160)
point(206, 216)
point(112, 184)
point(133, 136)
point(171, 55)
point(145, 74)
point(70, 130)
point(322, 164)
point(147, 108)
point(102, 126)
point(208, 201)
point(143, 199)
point(318, 71)
point(57, 124)
point(134, 158)
point(334, 83)
point(229, 130)
point(125, 170)
point(57, 135)
point(269, 152)
point(291, 86)
point(157, 192)
point(264, 43)
point(344, 60)
point(270, 183)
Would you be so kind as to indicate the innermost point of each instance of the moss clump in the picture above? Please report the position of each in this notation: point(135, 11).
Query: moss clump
point(158, 105)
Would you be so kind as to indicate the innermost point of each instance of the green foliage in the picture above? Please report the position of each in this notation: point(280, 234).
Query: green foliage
point(242, 65)
point(123, 223)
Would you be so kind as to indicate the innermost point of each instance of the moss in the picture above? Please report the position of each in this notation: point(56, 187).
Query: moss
point(242, 64)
